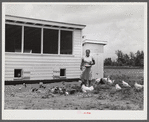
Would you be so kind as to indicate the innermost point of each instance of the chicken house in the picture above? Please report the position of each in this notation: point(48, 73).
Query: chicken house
point(38, 50)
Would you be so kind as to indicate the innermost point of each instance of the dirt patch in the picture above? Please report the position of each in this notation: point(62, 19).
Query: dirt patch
point(103, 97)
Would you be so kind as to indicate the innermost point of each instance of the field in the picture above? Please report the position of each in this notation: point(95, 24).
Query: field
point(103, 97)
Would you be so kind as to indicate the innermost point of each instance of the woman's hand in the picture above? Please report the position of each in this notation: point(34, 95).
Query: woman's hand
point(90, 63)
point(80, 68)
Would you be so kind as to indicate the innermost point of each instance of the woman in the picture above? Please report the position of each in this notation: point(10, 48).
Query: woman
point(86, 64)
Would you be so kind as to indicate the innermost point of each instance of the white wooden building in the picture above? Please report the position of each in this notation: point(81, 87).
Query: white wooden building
point(41, 50)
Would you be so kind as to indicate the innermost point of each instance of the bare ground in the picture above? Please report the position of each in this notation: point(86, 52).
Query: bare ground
point(104, 97)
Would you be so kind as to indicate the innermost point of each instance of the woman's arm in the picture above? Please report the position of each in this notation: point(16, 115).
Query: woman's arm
point(81, 64)
point(92, 62)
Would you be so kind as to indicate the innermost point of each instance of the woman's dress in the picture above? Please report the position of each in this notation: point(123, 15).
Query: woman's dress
point(86, 68)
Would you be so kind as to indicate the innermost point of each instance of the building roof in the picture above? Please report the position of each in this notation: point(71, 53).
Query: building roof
point(94, 42)
point(33, 21)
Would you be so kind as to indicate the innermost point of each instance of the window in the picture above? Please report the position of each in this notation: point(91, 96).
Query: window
point(55, 41)
point(13, 35)
point(18, 73)
point(50, 41)
point(66, 42)
point(32, 39)
point(62, 72)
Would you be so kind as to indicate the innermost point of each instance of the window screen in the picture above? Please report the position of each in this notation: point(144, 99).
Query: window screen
point(32, 39)
point(13, 35)
point(66, 42)
point(62, 72)
point(50, 41)
point(18, 73)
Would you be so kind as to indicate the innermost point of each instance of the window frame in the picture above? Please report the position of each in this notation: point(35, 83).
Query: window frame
point(42, 27)
point(20, 38)
point(21, 75)
point(72, 42)
point(24, 40)
point(58, 40)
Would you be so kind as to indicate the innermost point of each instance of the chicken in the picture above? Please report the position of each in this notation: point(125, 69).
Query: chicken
point(53, 90)
point(34, 89)
point(138, 86)
point(12, 94)
point(84, 88)
point(98, 80)
point(110, 81)
point(61, 90)
point(20, 88)
point(125, 84)
point(24, 85)
point(92, 88)
point(63, 82)
point(106, 80)
point(80, 81)
point(117, 87)
point(66, 93)
point(41, 85)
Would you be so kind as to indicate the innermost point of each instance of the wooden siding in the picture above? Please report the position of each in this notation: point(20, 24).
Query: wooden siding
point(77, 43)
point(42, 66)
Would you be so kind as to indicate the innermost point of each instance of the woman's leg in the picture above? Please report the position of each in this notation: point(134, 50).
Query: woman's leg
point(89, 83)
point(85, 82)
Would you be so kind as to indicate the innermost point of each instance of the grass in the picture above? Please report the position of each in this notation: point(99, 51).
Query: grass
point(123, 67)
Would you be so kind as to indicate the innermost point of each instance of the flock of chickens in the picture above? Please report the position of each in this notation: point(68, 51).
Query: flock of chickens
point(62, 90)
point(110, 82)
point(117, 86)
point(41, 88)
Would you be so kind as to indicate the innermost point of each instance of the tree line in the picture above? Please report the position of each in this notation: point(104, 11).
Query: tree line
point(131, 59)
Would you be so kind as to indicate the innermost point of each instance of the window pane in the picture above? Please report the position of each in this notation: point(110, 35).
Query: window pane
point(32, 39)
point(66, 42)
point(17, 72)
point(13, 35)
point(62, 72)
point(50, 41)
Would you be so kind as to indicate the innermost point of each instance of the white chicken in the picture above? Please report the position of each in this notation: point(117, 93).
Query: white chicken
point(125, 84)
point(102, 80)
point(66, 93)
point(106, 79)
point(53, 90)
point(138, 86)
point(98, 80)
point(80, 81)
point(85, 88)
point(117, 87)
point(110, 81)
point(20, 88)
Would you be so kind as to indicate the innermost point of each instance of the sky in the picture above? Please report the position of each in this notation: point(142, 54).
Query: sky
point(122, 25)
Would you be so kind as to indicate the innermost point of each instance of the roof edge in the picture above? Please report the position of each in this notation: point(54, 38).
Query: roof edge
point(41, 20)
point(94, 42)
